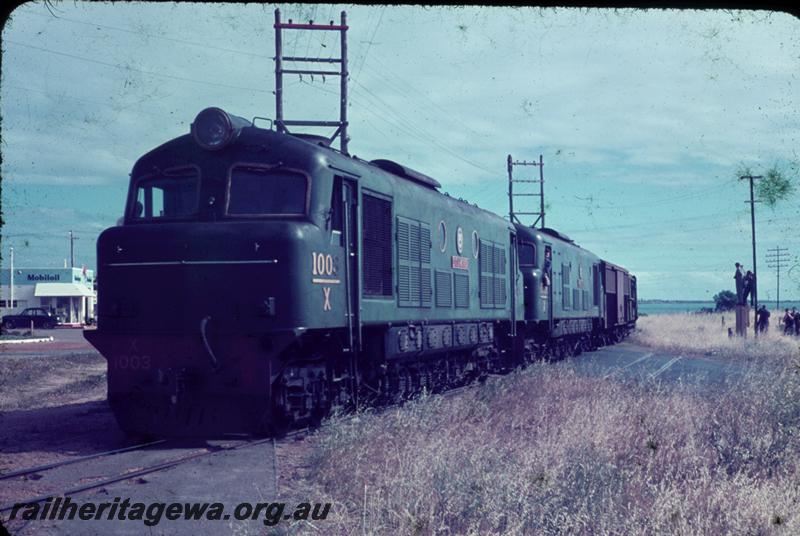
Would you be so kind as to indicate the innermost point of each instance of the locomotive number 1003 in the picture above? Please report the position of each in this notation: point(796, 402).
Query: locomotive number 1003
point(322, 264)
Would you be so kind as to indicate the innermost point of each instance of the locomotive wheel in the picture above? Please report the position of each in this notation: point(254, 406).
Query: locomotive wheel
point(278, 426)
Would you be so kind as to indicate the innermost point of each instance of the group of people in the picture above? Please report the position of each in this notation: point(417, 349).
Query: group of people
point(791, 322)
point(745, 282)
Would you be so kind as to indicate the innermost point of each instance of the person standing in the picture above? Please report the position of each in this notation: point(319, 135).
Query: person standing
point(739, 277)
point(749, 284)
point(763, 319)
point(788, 322)
point(796, 320)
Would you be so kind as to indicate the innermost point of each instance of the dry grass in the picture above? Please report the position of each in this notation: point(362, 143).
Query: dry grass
point(707, 334)
point(551, 450)
point(36, 382)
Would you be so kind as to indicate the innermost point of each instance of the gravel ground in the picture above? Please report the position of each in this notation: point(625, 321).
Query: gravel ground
point(53, 408)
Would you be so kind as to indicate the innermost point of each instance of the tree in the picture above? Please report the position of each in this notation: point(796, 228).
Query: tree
point(774, 187)
point(775, 184)
point(725, 300)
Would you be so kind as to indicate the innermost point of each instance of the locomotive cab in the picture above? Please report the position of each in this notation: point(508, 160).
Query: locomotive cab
point(534, 253)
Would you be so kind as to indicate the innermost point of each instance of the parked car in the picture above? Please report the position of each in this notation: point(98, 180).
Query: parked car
point(41, 318)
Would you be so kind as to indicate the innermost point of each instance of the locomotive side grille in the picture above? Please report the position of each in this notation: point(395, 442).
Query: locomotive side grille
point(425, 244)
point(444, 289)
point(499, 292)
point(377, 252)
point(408, 271)
point(403, 240)
point(403, 285)
point(425, 290)
point(426, 293)
point(486, 259)
point(461, 290)
point(414, 284)
point(493, 275)
point(414, 263)
point(499, 277)
point(486, 281)
point(413, 242)
point(487, 291)
point(565, 280)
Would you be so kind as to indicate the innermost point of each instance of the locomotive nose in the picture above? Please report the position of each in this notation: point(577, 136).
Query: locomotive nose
point(168, 279)
point(191, 319)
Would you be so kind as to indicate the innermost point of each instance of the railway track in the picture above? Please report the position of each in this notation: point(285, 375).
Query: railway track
point(131, 470)
point(39, 468)
point(125, 471)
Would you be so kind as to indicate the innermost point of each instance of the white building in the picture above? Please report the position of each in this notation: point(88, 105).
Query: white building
point(68, 292)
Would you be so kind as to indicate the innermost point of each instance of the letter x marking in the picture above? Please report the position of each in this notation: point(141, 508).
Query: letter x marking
point(326, 292)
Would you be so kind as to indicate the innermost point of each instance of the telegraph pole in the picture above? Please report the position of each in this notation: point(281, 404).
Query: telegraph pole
point(72, 239)
point(11, 280)
point(753, 202)
point(778, 258)
point(281, 123)
point(529, 210)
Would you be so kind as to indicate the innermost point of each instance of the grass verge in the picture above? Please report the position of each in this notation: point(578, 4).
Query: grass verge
point(552, 450)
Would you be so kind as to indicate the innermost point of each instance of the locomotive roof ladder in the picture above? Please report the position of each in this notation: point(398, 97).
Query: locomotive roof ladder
point(513, 215)
point(280, 123)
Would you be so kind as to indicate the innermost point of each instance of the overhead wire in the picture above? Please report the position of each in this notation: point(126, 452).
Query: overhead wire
point(308, 42)
point(87, 101)
point(128, 68)
point(433, 105)
point(430, 138)
point(149, 35)
point(666, 232)
point(371, 40)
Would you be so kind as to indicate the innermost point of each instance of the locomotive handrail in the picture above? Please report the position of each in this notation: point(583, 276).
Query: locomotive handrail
point(271, 122)
point(215, 363)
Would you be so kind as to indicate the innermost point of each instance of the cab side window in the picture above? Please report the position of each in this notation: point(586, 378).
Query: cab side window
point(527, 254)
point(336, 220)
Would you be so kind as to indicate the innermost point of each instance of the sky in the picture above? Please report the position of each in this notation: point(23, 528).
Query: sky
point(642, 117)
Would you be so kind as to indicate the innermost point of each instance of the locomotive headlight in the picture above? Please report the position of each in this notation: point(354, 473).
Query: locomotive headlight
point(214, 128)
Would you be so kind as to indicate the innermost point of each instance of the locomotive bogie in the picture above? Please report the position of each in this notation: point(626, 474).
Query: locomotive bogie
point(171, 384)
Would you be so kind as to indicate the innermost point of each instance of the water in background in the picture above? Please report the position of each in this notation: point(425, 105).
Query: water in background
point(665, 308)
